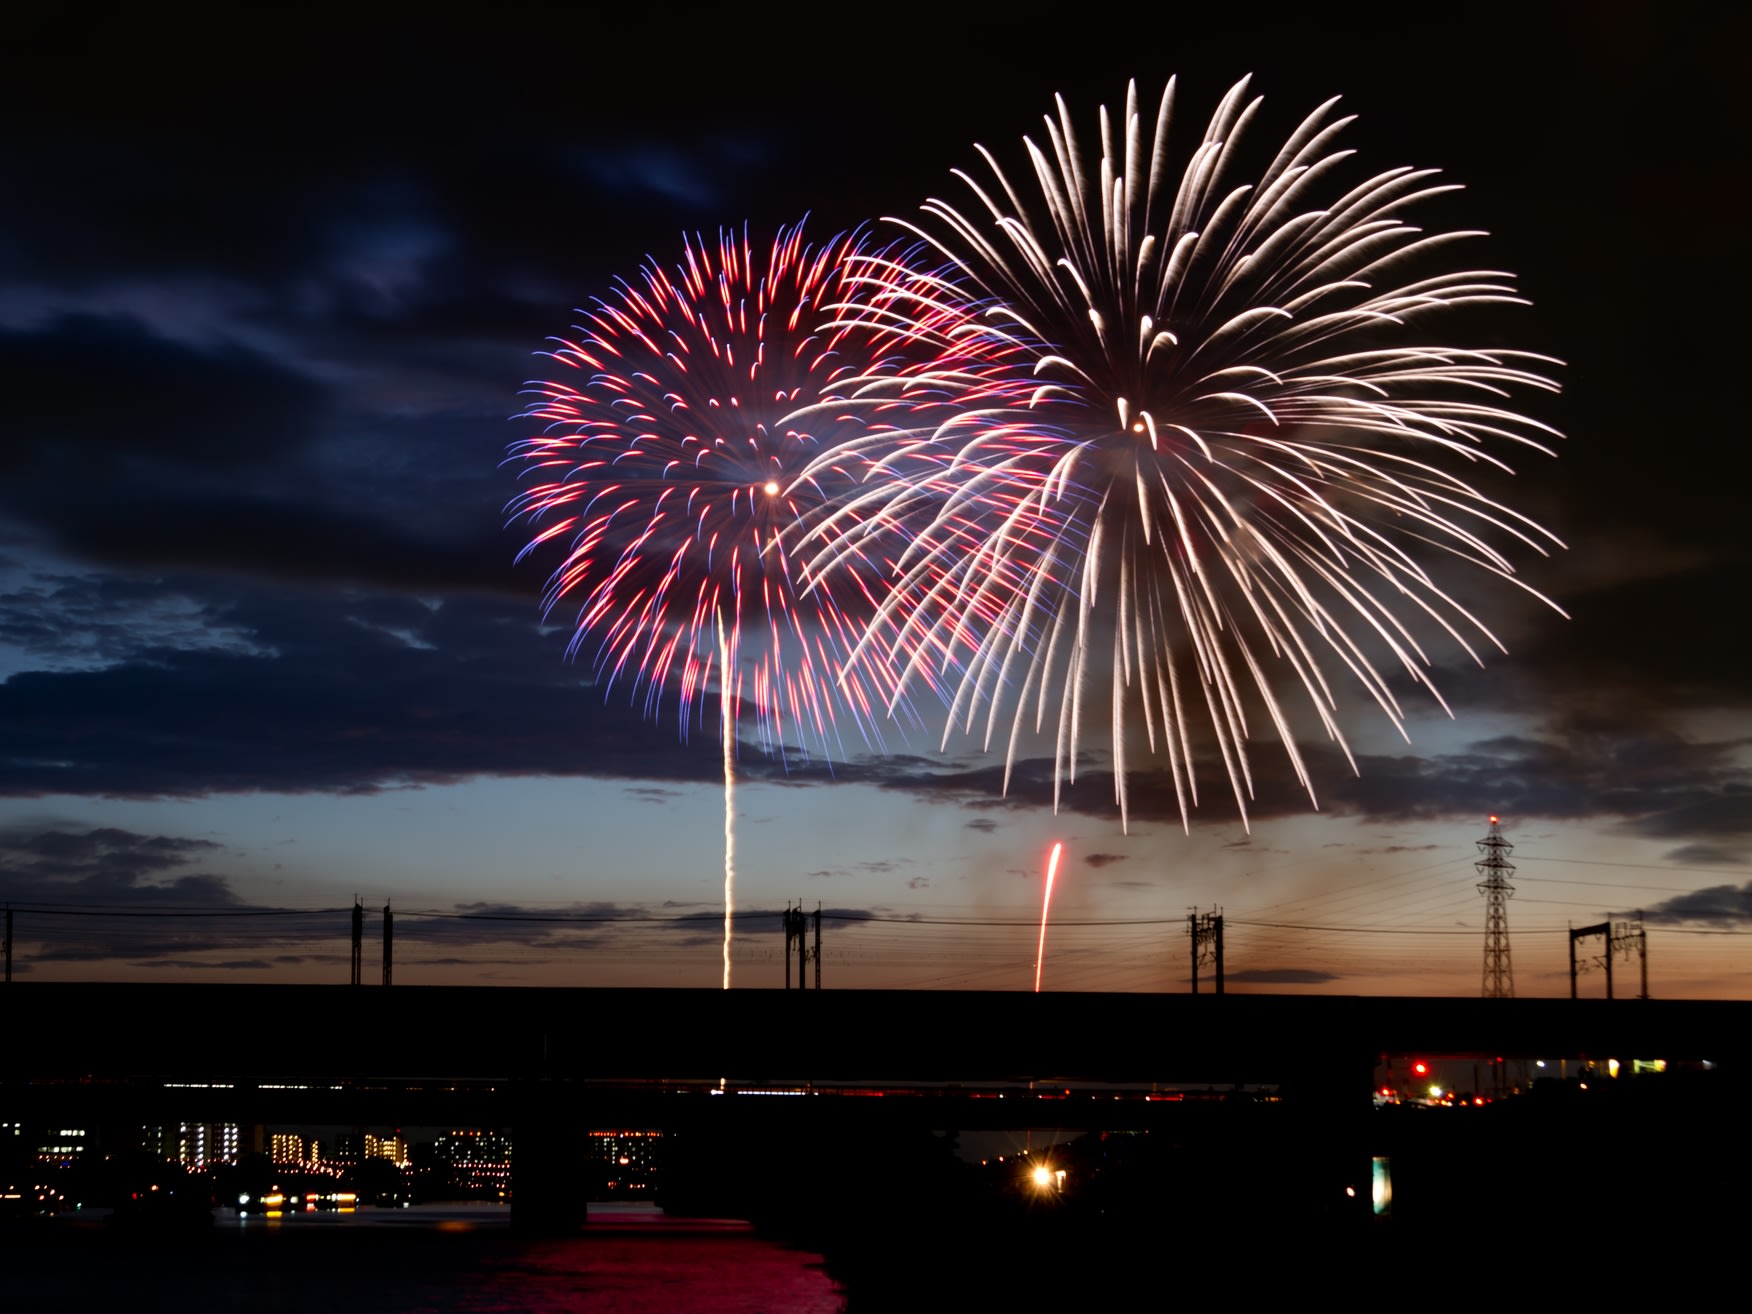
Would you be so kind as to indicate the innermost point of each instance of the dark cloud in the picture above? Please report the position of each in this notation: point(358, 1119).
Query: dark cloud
point(225, 964)
point(1099, 860)
point(268, 537)
point(664, 171)
point(1719, 905)
point(86, 620)
point(1639, 648)
point(875, 867)
point(1723, 816)
point(1579, 767)
point(1655, 782)
point(548, 930)
point(58, 865)
point(362, 691)
point(96, 895)
point(1282, 976)
point(1706, 855)
point(106, 398)
point(342, 694)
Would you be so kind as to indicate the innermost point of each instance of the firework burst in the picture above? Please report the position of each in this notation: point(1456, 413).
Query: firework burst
point(1237, 462)
point(665, 468)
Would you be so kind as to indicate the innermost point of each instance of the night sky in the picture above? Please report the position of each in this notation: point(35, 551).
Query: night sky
point(267, 300)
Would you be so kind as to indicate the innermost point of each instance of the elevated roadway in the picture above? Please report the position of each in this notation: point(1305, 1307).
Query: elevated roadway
point(184, 1032)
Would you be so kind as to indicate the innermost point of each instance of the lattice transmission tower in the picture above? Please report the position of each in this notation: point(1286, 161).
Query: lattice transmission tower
point(1494, 867)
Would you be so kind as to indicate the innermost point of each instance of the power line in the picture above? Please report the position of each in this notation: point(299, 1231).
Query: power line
point(1601, 885)
point(52, 910)
point(888, 922)
point(1380, 930)
point(1642, 866)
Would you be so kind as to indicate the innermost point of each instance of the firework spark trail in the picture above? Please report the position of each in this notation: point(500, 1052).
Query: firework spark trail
point(670, 456)
point(670, 465)
point(729, 731)
point(1232, 463)
point(1045, 907)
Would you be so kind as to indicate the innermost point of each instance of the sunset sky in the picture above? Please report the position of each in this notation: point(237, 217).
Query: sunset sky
point(264, 320)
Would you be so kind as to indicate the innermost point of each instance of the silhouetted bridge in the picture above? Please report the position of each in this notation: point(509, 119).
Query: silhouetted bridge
point(497, 1033)
point(543, 1060)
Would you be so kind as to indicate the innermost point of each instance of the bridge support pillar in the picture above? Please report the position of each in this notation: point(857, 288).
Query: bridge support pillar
point(549, 1177)
point(1333, 1102)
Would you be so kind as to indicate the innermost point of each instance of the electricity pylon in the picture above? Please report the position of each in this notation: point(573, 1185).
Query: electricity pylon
point(1495, 868)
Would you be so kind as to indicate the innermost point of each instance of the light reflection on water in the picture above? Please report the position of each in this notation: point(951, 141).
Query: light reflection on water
point(642, 1263)
point(454, 1260)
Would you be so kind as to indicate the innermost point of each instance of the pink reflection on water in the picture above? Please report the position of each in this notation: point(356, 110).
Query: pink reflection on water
point(636, 1260)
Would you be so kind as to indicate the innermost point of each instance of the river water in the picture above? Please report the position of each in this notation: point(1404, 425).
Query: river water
point(435, 1260)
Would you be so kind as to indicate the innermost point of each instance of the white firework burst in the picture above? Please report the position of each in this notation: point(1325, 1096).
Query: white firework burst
point(1228, 458)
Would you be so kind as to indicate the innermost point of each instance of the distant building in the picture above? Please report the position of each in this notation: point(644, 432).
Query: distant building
point(353, 1148)
point(197, 1145)
point(476, 1161)
point(284, 1147)
point(626, 1161)
point(59, 1145)
point(393, 1148)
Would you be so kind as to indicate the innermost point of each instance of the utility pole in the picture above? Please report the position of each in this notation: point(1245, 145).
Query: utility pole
point(1604, 931)
point(794, 936)
point(388, 942)
point(358, 940)
point(1205, 930)
point(1629, 938)
point(1616, 939)
point(797, 932)
point(1494, 867)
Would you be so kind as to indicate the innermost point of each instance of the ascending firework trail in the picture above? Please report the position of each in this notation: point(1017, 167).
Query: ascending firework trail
point(1045, 907)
